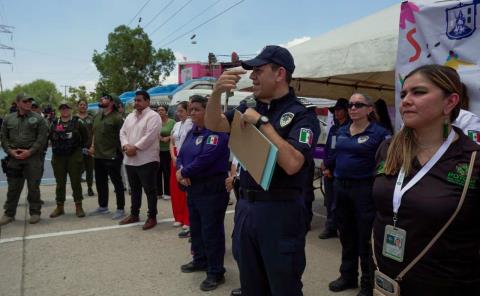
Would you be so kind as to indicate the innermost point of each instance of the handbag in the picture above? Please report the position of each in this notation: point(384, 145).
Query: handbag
point(385, 285)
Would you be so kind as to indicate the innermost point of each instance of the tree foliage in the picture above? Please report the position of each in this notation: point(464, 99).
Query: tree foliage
point(45, 92)
point(130, 62)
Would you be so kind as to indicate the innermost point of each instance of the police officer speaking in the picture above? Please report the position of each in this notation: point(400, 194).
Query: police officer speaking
point(270, 228)
point(69, 137)
point(24, 136)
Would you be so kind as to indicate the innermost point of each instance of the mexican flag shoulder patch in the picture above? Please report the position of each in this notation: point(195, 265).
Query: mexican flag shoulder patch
point(212, 140)
point(306, 136)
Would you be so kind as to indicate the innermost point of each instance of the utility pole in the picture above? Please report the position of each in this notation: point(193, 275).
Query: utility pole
point(65, 86)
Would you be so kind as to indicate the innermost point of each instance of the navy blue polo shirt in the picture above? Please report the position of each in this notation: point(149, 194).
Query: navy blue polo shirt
point(355, 155)
point(329, 160)
point(296, 124)
point(204, 153)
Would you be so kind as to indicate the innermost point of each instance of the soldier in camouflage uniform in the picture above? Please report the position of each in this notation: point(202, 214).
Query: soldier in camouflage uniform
point(23, 136)
point(87, 120)
point(69, 137)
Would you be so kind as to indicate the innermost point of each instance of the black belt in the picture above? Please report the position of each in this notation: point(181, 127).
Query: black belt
point(353, 182)
point(271, 195)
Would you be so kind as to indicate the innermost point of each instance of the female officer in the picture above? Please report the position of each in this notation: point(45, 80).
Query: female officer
point(434, 158)
point(354, 155)
point(202, 167)
point(163, 177)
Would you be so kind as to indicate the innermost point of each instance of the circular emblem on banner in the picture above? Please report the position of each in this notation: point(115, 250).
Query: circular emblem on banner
point(199, 140)
point(363, 139)
point(32, 120)
point(286, 119)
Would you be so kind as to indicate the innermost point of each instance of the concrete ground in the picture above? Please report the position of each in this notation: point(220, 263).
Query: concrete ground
point(96, 256)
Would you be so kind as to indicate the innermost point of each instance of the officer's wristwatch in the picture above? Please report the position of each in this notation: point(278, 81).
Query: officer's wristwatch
point(262, 120)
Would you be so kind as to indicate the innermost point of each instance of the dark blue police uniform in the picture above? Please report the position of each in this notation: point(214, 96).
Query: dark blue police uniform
point(270, 228)
point(204, 159)
point(355, 211)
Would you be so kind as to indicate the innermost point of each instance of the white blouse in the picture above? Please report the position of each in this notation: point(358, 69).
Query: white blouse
point(180, 131)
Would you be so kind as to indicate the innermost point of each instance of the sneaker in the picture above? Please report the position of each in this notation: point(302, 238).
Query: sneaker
point(192, 267)
point(6, 219)
point(119, 214)
point(211, 283)
point(34, 219)
point(184, 233)
point(177, 224)
point(90, 192)
point(129, 220)
point(100, 211)
point(166, 197)
point(342, 284)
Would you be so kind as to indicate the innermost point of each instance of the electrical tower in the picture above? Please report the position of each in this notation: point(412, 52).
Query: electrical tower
point(6, 30)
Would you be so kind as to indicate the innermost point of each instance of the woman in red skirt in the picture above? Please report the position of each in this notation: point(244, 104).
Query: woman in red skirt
point(179, 197)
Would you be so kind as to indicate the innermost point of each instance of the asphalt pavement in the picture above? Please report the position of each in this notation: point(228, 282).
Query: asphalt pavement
point(95, 256)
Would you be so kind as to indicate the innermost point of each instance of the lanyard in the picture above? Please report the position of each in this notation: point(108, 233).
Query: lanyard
point(399, 191)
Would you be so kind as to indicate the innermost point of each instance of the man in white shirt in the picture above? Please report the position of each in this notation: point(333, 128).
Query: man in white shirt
point(139, 138)
point(469, 123)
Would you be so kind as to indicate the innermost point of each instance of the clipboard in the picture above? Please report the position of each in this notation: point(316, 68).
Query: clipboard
point(254, 151)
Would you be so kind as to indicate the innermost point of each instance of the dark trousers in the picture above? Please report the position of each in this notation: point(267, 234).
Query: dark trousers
point(105, 168)
point(331, 204)
point(71, 165)
point(88, 168)
point(207, 202)
point(309, 195)
point(143, 176)
point(269, 244)
point(163, 177)
point(355, 214)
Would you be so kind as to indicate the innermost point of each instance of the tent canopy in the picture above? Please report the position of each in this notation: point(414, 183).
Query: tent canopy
point(357, 57)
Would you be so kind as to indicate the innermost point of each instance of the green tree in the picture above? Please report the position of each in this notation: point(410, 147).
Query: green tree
point(130, 62)
point(45, 92)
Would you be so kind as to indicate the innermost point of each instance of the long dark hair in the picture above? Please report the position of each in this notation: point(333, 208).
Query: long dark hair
point(383, 118)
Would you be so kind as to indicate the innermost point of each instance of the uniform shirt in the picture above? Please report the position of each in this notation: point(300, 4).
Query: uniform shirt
point(425, 208)
point(180, 131)
point(355, 155)
point(329, 160)
point(296, 124)
point(27, 131)
point(469, 123)
point(88, 123)
point(166, 131)
point(204, 153)
point(141, 130)
point(106, 133)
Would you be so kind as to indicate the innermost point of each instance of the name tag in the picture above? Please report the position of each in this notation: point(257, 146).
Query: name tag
point(394, 243)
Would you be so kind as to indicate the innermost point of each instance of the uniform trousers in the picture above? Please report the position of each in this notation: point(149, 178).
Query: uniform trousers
point(143, 176)
point(31, 170)
point(178, 199)
point(88, 168)
point(330, 204)
point(105, 168)
point(163, 176)
point(269, 245)
point(207, 204)
point(71, 165)
point(355, 214)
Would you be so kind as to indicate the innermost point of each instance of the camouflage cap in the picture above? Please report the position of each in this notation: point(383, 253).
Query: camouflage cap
point(23, 96)
point(64, 104)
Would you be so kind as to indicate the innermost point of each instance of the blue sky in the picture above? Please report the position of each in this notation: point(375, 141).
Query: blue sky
point(55, 39)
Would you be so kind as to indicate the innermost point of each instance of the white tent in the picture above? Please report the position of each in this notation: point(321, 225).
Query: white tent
point(357, 57)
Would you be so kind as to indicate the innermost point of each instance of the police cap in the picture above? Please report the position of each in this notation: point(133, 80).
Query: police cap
point(272, 54)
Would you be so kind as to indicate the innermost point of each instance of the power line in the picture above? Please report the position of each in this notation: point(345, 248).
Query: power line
point(174, 14)
point(138, 12)
point(204, 23)
point(159, 12)
point(191, 20)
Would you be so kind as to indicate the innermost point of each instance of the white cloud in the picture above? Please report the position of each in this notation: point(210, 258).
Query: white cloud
point(173, 78)
point(89, 84)
point(296, 41)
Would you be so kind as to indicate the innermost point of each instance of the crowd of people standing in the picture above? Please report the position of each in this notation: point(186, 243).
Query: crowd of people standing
point(403, 205)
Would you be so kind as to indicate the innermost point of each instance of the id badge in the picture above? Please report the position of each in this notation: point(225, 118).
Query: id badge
point(394, 243)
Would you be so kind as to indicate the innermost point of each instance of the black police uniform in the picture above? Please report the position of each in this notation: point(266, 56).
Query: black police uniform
point(270, 228)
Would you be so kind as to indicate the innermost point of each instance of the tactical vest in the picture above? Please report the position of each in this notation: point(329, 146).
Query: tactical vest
point(64, 142)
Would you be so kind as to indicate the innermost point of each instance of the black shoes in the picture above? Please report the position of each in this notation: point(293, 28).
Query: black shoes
point(236, 292)
point(326, 234)
point(191, 267)
point(210, 283)
point(342, 284)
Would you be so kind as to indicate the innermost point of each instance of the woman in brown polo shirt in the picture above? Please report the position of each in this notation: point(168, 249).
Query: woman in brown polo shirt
point(408, 219)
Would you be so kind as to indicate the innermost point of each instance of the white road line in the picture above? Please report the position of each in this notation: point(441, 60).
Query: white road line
point(87, 230)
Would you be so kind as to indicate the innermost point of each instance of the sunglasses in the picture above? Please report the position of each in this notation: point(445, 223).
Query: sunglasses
point(357, 105)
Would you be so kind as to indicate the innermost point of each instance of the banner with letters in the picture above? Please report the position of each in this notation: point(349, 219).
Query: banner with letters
point(440, 32)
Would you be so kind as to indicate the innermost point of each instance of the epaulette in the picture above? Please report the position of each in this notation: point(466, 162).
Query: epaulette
point(306, 103)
